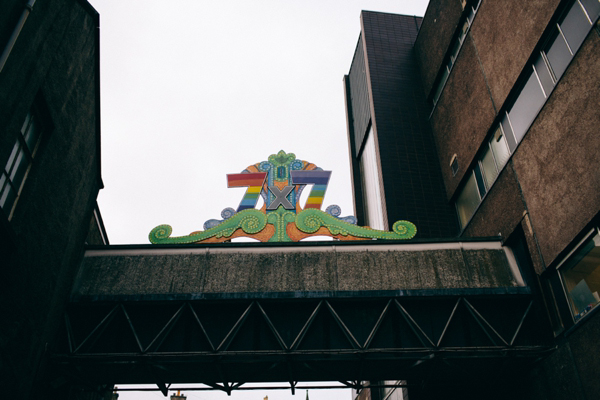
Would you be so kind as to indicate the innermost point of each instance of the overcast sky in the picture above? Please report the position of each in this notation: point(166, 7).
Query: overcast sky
point(194, 90)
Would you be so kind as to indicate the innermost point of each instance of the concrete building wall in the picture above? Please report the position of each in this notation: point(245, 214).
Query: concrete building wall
point(54, 66)
point(556, 162)
point(434, 38)
point(546, 195)
point(462, 116)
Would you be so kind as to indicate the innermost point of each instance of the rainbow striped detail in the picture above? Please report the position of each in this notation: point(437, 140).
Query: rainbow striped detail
point(318, 178)
point(254, 181)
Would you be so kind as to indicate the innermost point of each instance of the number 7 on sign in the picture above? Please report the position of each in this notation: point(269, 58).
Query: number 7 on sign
point(254, 181)
point(320, 180)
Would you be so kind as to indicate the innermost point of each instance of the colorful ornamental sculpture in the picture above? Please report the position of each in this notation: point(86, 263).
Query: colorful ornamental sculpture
point(280, 181)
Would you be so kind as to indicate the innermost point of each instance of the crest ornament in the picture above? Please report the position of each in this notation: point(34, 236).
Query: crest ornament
point(280, 182)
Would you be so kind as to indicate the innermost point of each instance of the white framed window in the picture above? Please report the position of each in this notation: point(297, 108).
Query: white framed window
point(544, 72)
point(580, 275)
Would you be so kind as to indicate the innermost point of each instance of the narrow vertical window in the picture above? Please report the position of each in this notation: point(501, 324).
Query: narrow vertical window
point(371, 186)
point(499, 147)
point(526, 107)
point(468, 200)
point(19, 161)
point(488, 164)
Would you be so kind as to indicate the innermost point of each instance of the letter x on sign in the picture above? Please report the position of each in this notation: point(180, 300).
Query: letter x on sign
point(280, 198)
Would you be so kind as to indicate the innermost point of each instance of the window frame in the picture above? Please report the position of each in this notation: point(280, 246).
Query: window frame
point(456, 44)
point(22, 155)
point(560, 268)
point(503, 121)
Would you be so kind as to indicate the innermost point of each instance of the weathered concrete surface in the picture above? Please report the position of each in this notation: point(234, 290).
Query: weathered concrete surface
point(555, 162)
point(456, 131)
point(118, 271)
point(439, 24)
point(506, 34)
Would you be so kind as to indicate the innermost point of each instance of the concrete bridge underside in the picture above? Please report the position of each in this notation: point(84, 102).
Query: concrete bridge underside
point(233, 313)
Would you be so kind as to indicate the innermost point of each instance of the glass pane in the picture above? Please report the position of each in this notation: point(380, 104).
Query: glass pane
point(544, 75)
point(592, 7)
point(500, 148)
point(467, 201)
point(479, 178)
point(443, 80)
point(508, 134)
point(13, 155)
point(20, 167)
point(525, 109)
point(7, 198)
point(32, 135)
point(575, 27)
point(371, 184)
point(558, 54)
point(3, 180)
point(581, 277)
point(454, 54)
point(490, 172)
point(26, 123)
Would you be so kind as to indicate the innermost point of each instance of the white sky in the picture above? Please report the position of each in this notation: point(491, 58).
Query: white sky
point(194, 90)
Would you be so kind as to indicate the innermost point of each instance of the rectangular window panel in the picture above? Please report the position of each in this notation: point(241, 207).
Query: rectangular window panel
point(18, 162)
point(7, 196)
point(592, 7)
point(526, 108)
point(443, 80)
point(508, 134)
point(479, 179)
point(454, 53)
point(500, 148)
point(19, 167)
point(558, 54)
point(575, 27)
point(371, 187)
point(467, 201)
point(544, 75)
point(488, 164)
point(3, 183)
point(31, 135)
point(581, 276)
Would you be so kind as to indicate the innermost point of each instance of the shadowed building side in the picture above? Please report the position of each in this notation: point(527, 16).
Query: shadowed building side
point(49, 178)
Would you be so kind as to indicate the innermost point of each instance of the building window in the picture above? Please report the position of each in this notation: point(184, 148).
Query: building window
point(456, 46)
point(526, 107)
point(19, 161)
point(468, 200)
point(454, 165)
point(371, 184)
point(580, 274)
point(569, 34)
point(544, 73)
point(483, 175)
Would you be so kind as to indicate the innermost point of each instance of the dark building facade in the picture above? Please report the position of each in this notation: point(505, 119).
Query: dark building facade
point(391, 143)
point(50, 177)
point(484, 116)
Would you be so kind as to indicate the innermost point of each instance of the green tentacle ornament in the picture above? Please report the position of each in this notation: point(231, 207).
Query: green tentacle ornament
point(250, 221)
point(280, 218)
point(311, 219)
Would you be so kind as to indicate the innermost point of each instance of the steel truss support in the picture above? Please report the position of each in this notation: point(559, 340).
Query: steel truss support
point(348, 340)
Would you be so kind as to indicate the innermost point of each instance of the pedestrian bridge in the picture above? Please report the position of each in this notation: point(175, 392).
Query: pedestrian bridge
point(226, 314)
